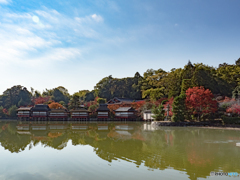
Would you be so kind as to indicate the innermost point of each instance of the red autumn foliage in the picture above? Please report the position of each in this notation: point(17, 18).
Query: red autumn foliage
point(113, 107)
point(88, 104)
point(200, 100)
point(159, 101)
point(5, 111)
point(170, 102)
point(41, 100)
point(235, 109)
point(55, 105)
point(4, 127)
point(137, 105)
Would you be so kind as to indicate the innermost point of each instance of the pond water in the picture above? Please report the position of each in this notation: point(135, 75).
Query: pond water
point(114, 150)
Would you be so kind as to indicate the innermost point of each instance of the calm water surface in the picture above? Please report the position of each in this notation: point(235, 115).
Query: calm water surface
point(114, 150)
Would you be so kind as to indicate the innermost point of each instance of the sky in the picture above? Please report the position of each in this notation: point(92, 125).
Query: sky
point(76, 43)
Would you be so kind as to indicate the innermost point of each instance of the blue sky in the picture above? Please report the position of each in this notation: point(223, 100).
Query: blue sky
point(75, 43)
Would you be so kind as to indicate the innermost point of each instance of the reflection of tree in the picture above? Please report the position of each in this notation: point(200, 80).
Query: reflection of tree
point(12, 141)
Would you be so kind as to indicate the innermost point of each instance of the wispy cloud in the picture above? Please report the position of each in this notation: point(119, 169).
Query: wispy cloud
point(97, 18)
point(5, 1)
point(89, 19)
point(39, 38)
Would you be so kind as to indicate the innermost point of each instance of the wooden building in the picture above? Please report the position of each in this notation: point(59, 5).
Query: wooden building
point(24, 113)
point(103, 111)
point(40, 112)
point(58, 114)
point(125, 113)
point(79, 114)
point(148, 115)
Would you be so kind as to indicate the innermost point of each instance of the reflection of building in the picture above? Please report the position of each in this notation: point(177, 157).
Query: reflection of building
point(147, 115)
point(24, 112)
point(148, 127)
point(103, 111)
point(57, 126)
point(79, 127)
point(125, 113)
point(80, 114)
point(23, 129)
point(40, 111)
point(39, 127)
point(58, 114)
point(102, 126)
point(123, 127)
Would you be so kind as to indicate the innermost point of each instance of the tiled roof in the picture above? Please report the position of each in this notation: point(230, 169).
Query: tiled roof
point(80, 110)
point(124, 109)
point(41, 107)
point(103, 107)
point(24, 109)
point(58, 110)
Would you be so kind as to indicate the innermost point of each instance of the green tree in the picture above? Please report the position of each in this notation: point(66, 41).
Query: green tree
point(1, 112)
point(101, 100)
point(62, 103)
point(236, 93)
point(238, 62)
point(58, 96)
point(154, 94)
point(13, 111)
point(158, 112)
point(90, 96)
point(179, 108)
point(110, 87)
point(74, 102)
point(186, 83)
point(13, 95)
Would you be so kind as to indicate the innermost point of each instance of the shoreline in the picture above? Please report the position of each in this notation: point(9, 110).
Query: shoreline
point(205, 124)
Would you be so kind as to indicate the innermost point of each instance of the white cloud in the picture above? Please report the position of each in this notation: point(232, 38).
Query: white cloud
point(55, 44)
point(15, 15)
point(4, 1)
point(97, 18)
point(38, 37)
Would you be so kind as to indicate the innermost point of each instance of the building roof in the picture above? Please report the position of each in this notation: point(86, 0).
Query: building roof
point(124, 109)
point(58, 110)
point(103, 107)
point(79, 110)
point(41, 107)
point(24, 109)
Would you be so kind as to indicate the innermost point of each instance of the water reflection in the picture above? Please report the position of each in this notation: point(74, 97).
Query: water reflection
point(194, 151)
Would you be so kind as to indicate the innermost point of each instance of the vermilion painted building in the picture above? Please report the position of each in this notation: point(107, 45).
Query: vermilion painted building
point(40, 111)
point(103, 111)
point(58, 114)
point(80, 114)
point(125, 113)
point(24, 112)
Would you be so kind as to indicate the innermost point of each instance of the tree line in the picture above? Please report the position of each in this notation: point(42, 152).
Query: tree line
point(154, 85)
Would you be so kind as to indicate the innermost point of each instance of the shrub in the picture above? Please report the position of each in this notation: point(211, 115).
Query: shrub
point(231, 120)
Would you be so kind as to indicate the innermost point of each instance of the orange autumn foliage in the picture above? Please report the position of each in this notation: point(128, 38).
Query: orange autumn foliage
point(54, 134)
point(55, 105)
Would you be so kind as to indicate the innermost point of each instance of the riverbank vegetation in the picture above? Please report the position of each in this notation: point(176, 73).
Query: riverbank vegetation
point(194, 92)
